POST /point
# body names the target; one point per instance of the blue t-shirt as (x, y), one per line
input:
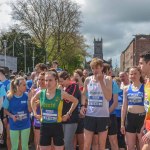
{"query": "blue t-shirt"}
(29, 84)
(2, 90)
(6, 84)
(115, 90)
(2, 94)
(18, 106)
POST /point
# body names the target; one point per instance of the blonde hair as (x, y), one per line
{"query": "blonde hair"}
(96, 62)
(13, 86)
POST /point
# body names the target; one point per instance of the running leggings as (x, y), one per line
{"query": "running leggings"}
(14, 137)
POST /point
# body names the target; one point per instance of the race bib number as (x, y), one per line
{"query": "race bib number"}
(95, 101)
(50, 115)
(21, 116)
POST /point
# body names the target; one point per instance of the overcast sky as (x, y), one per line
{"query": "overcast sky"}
(116, 21)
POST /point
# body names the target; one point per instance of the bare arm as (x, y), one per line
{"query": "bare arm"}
(124, 107)
(29, 102)
(72, 99)
(10, 115)
(106, 88)
(115, 103)
(83, 98)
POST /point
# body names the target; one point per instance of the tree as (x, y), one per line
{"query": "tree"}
(15, 40)
(49, 20)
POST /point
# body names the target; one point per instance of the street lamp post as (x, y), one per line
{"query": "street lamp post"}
(13, 48)
(5, 48)
(135, 50)
(24, 43)
(33, 57)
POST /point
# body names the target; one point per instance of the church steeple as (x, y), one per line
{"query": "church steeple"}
(98, 49)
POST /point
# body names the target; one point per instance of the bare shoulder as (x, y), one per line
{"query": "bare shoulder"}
(87, 80)
(37, 94)
(125, 89)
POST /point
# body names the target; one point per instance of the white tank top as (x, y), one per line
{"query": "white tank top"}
(98, 106)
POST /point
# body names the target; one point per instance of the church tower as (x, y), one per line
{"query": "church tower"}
(98, 49)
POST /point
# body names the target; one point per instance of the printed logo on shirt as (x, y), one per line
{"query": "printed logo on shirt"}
(23, 102)
(135, 97)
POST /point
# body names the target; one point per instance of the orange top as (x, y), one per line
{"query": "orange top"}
(147, 104)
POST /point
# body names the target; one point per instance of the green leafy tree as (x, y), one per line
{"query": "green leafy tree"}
(16, 41)
(54, 26)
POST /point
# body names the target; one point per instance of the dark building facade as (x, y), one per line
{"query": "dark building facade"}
(98, 48)
(130, 56)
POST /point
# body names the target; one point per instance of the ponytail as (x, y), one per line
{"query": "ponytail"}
(13, 87)
(12, 90)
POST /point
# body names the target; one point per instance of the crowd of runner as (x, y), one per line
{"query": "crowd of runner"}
(90, 109)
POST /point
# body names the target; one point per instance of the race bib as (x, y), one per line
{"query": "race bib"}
(50, 116)
(21, 115)
(95, 101)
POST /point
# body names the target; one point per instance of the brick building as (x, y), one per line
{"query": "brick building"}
(130, 56)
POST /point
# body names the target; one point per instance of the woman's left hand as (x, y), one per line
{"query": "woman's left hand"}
(146, 138)
(65, 118)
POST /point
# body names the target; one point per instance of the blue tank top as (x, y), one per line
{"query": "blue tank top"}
(19, 106)
(120, 102)
(135, 97)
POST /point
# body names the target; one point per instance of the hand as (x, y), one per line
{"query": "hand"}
(14, 118)
(146, 138)
(65, 118)
(83, 110)
(60, 87)
(100, 77)
(37, 103)
(38, 117)
(122, 129)
(81, 116)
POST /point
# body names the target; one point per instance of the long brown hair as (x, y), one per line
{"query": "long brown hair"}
(140, 71)
(13, 86)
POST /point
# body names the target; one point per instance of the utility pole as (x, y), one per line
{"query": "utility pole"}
(24, 43)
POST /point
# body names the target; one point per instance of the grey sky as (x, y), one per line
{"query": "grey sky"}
(116, 21)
